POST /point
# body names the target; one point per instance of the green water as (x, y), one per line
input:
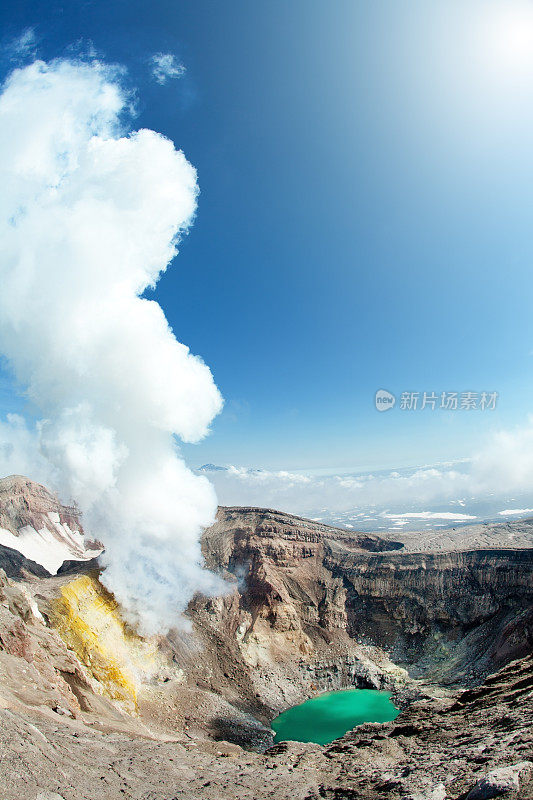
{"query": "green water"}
(330, 715)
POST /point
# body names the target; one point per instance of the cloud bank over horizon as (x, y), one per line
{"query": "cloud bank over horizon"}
(91, 214)
(445, 493)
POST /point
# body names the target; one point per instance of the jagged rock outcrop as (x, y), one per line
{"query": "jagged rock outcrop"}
(315, 607)
(37, 670)
(282, 634)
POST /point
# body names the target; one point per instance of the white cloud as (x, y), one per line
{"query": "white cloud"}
(309, 494)
(504, 466)
(165, 66)
(19, 453)
(90, 215)
(263, 476)
(508, 512)
(24, 45)
(506, 462)
(497, 472)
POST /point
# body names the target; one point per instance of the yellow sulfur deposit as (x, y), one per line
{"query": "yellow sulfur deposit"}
(88, 620)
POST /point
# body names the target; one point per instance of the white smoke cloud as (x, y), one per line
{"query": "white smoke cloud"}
(90, 215)
(19, 454)
(166, 66)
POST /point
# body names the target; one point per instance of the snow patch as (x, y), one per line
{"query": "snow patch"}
(48, 548)
(428, 515)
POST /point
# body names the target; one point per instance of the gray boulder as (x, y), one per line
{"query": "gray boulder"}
(501, 781)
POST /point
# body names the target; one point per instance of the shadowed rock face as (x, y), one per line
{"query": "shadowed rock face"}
(452, 617)
(15, 565)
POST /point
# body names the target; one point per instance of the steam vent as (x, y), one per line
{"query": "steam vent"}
(89, 623)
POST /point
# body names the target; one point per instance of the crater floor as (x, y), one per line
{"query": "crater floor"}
(443, 621)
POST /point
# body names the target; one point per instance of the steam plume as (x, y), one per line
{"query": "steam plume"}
(90, 216)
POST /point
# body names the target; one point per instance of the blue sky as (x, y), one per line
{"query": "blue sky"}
(364, 219)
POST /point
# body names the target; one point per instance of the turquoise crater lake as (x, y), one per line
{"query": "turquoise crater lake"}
(328, 716)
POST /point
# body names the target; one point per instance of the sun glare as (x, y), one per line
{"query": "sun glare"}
(508, 37)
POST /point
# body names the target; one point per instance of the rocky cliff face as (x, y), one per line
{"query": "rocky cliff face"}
(325, 594)
(315, 607)
(453, 617)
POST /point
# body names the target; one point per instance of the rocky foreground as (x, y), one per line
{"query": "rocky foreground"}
(478, 746)
(89, 710)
